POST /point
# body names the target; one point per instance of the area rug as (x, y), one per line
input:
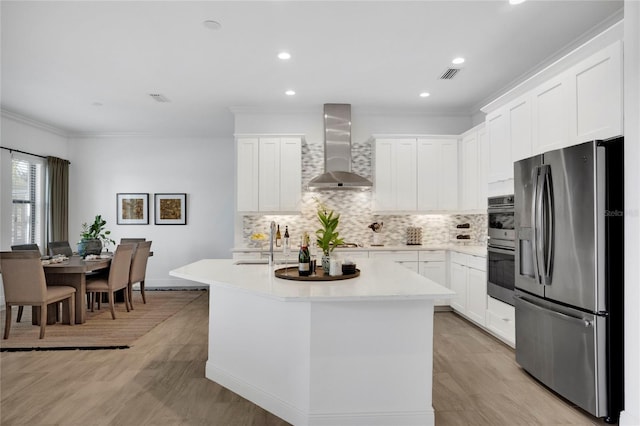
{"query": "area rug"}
(100, 331)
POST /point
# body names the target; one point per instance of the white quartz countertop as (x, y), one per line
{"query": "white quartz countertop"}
(475, 250)
(378, 280)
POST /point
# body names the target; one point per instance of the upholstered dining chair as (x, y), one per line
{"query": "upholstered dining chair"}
(25, 284)
(60, 247)
(24, 247)
(138, 269)
(117, 279)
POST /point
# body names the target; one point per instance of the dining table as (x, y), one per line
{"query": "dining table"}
(72, 272)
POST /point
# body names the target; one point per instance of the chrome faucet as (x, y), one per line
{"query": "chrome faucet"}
(272, 234)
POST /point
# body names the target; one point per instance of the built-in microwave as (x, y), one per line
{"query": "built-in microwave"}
(501, 248)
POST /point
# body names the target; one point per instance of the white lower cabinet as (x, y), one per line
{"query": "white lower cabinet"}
(408, 259)
(432, 264)
(501, 320)
(468, 278)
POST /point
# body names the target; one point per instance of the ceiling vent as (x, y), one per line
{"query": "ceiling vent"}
(449, 73)
(158, 97)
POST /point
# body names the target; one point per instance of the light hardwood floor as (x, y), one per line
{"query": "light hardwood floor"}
(160, 381)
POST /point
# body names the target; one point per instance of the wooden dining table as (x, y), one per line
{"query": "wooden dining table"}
(72, 272)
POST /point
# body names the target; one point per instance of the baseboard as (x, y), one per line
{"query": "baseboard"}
(299, 417)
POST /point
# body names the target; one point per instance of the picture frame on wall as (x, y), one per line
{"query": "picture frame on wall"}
(133, 208)
(171, 209)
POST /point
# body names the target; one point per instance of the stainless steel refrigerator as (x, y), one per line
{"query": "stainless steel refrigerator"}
(569, 273)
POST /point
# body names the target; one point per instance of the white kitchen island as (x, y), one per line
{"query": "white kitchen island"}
(350, 352)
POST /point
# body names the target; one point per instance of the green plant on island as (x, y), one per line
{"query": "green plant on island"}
(96, 231)
(327, 236)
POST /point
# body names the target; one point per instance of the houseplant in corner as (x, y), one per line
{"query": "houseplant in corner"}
(93, 237)
(328, 236)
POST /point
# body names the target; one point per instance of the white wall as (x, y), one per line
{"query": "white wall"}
(202, 168)
(631, 415)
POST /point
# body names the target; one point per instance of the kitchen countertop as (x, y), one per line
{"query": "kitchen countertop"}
(378, 280)
(475, 250)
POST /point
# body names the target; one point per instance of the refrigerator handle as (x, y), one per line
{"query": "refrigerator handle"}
(536, 221)
(548, 231)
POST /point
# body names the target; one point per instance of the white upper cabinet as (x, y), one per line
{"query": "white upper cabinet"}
(596, 86)
(483, 167)
(469, 198)
(269, 174)
(550, 103)
(247, 174)
(437, 174)
(519, 122)
(415, 174)
(500, 164)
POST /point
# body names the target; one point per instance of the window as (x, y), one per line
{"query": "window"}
(27, 193)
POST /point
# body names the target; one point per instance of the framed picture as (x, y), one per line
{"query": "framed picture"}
(171, 209)
(133, 209)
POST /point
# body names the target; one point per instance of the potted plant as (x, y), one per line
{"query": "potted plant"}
(328, 236)
(93, 237)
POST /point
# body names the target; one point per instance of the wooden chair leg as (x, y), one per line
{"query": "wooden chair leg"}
(72, 309)
(20, 309)
(7, 324)
(127, 300)
(144, 299)
(111, 305)
(43, 319)
(129, 291)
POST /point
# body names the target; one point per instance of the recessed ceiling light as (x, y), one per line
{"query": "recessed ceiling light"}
(290, 92)
(516, 1)
(212, 25)
(284, 55)
(457, 61)
(425, 94)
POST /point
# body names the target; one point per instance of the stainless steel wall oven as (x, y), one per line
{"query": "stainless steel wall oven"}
(501, 249)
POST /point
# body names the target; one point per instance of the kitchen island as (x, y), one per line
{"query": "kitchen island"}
(349, 352)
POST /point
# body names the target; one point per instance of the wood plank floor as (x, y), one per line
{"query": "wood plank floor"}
(160, 381)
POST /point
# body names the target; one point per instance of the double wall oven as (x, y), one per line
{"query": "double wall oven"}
(501, 248)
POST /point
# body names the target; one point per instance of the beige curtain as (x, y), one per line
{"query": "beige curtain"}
(58, 178)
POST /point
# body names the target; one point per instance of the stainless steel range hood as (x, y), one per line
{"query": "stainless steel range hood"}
(337, 152)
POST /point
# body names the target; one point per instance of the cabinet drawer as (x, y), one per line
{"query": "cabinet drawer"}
(477, 262)
(501, 320)
(432, 255)
(459, 258)
(396, 256)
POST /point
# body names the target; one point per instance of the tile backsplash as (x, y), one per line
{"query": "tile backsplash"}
(356, 215)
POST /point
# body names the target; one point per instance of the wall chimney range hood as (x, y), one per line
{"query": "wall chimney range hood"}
(337, 152)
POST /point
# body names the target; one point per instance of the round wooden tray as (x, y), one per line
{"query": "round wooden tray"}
(291, 273)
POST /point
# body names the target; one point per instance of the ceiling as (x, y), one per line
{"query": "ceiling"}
(89, 67)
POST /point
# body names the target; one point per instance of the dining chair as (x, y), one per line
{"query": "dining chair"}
(25, 284)
(117, 279)
(138, 269)
(24, 247)
(60, 247)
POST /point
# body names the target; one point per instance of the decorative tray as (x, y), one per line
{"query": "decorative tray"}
(291, 273)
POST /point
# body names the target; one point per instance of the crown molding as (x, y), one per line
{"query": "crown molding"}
(33, 123)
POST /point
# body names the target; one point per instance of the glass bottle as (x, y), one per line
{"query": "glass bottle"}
(304, 258)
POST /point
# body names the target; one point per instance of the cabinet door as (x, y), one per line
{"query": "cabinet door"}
(247, 158)
(520, 128)
(476, 295)
(405, 175)
(384, 159)
(550, 104)
(458, 283)
(469, 172)
(269, 172)
(500, 165)
(435, 271)
(428, 175)
(483, 168)
(448, 170)
(596, 89)
(290, 174)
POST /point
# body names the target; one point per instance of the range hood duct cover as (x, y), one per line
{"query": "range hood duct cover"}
(337, 152)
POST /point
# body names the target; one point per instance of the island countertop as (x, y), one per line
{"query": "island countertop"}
(378, 280)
